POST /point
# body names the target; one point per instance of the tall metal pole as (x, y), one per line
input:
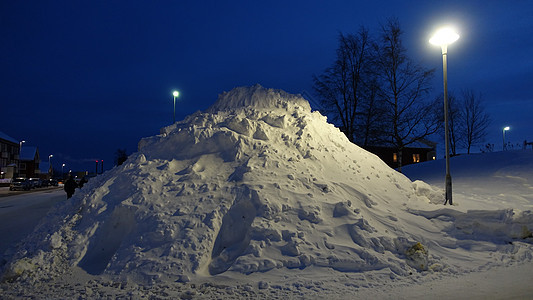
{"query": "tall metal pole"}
(175, 94)
(174, 114)
(448, 184)
(504, 147)
(20, 152)
(50, 169)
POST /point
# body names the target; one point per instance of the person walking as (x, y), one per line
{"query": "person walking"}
(70, 186)
(82, 182)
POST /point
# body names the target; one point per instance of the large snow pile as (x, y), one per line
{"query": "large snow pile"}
(260, 183)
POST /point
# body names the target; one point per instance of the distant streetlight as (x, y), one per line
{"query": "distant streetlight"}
(62, 166)
(175, 94)
(443, 38)
(50, 165)
(503, 131)
(20, 152)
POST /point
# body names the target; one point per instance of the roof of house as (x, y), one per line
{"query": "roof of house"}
(6, 137)
(423, 143)
(28, 153)
(419, 144)
(44, 167)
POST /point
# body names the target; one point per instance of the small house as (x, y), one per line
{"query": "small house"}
(420, 151)
(9, 156)
(29, 162)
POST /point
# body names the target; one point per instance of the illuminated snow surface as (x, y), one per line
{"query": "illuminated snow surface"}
(258, 196)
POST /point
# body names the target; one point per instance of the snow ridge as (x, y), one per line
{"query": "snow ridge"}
(257, 97)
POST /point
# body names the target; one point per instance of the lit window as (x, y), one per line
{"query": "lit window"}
(416, 158)
(395, 157)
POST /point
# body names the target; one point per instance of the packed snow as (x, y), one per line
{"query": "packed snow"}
(258, 196)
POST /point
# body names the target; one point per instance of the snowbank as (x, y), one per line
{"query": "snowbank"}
(260, 184)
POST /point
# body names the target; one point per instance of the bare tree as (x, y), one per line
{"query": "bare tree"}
(340, 86)
(474, 119)
(120, 156)
(404, 86)
(371, 125)
(454, 120)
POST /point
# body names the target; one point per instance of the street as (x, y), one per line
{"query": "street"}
(20, 213)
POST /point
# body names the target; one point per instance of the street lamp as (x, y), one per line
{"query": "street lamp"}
(20, 152)
(504, 130)
(175, 94)
(50, 173)
(62, 176)
(443, 38)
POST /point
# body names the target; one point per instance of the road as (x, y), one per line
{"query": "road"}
(20, 213)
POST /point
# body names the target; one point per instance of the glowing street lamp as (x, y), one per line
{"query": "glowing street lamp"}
(62, 166)
(20, 152)
(50, 173)
(175, 94)
(503, 131)
(443, 38)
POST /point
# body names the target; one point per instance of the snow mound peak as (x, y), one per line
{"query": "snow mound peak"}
(257, 97)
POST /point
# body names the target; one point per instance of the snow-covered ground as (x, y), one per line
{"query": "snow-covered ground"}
(260, 197)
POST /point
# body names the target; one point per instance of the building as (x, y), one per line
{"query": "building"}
(45, 171)
(420, 151)
(29, 162)
(9, 156)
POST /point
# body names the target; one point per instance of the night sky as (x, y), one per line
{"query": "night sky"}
(81, 79)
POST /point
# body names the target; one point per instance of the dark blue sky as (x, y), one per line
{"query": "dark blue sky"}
(80, 79)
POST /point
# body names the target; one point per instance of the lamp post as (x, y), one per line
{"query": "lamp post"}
(175, 94)
(503, 131)
(50, 173)
(20, 152)
(443, 38)
(62, 176)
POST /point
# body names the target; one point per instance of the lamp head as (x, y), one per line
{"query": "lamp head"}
(506, 128)
(444, 37)
(175, 93)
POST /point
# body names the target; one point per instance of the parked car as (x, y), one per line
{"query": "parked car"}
(35, 182)
(52, 182)
(20, 184)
